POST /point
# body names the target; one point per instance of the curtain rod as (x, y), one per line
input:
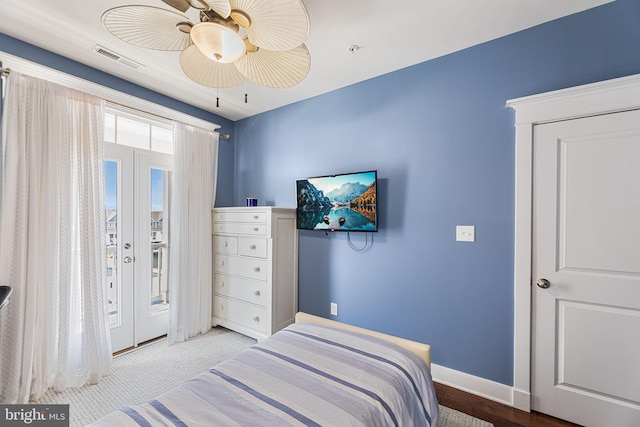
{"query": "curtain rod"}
(6, 71)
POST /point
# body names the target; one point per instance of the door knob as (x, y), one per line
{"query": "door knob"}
(127, 245)
(543, 283)
(127, 259)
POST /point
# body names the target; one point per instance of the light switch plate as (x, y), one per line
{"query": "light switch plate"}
(465, 233)
(334, 309)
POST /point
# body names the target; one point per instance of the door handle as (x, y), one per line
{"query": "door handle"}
(127, 259)
(543, 283)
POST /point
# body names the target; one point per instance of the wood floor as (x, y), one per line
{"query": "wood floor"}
(494, 412)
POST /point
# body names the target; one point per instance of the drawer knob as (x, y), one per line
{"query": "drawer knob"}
(222, 284)
(221, 263)
(221, 307)
(256, 217)
(256, 269)
(226, 244)
(256, 229)
(256, 319)
(256, 293)
(253, 247)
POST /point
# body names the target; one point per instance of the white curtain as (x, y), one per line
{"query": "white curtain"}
(190, 263)
(54, 331)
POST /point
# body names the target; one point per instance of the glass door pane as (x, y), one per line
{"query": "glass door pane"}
(159, 249)
(111, 218)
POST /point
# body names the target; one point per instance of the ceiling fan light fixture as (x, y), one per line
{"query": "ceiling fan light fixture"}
(217, 42)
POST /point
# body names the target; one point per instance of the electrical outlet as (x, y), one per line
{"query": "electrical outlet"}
(334, 309)
(465, 233)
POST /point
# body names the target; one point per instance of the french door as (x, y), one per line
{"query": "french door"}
(137, 200)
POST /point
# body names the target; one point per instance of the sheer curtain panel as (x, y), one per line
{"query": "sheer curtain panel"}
(54, 332)
(190, 264)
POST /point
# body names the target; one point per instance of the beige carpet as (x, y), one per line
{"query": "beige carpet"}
(140, 375)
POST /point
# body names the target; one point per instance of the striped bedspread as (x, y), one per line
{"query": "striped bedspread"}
(304, 375)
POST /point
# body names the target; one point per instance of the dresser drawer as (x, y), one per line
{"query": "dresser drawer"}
(252, 217)
(251, 268)
(252, 247)
(254, 229)
(225, 245)
(243, 289)
(244, 314)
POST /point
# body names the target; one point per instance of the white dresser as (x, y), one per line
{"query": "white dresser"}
(255, 258)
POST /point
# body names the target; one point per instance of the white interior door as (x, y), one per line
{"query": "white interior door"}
(137, 200)
(586, 267)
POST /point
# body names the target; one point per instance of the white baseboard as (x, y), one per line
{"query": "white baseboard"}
(475, 385)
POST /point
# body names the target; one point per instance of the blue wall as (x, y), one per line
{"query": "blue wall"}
(442, 140)
(34, 54)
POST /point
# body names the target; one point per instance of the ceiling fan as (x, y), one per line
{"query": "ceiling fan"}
(234, 40)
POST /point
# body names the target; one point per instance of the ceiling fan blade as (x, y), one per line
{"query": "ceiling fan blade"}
(221, 7)
(207, 72)
(274, 25)
(276, 69)
(147, 26)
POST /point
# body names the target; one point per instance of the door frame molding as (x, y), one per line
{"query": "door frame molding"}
(587, 100)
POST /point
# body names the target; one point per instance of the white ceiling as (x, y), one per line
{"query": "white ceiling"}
(391, 35)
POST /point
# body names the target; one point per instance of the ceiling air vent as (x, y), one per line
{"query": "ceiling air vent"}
(116, 57)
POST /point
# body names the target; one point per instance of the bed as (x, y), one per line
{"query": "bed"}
(315, 372)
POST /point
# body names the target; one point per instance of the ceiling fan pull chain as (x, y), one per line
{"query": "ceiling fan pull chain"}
(245, 91)
(217, 97)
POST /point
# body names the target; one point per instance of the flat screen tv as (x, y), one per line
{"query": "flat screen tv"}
(344, 202)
